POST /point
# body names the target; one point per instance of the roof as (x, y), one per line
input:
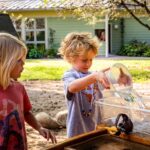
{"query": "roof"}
(27, 5)
(23, 5)
(16, 5)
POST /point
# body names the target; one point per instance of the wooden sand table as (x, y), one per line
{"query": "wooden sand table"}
(103, 130)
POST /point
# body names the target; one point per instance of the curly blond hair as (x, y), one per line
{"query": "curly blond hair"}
(11, 50)
(76, 44)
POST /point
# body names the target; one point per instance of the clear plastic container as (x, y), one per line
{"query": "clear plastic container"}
(111, 105)
(119, 77)
(122, 98)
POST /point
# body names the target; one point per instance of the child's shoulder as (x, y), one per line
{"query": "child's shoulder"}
(70, 72)
(17, 84)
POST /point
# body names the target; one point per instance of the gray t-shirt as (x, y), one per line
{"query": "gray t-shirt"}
(82, 114)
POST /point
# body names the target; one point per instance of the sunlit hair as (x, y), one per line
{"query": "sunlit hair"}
(76, 44)
(11, 50)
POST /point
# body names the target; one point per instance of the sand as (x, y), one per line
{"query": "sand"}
(45, 96)
(48, 96)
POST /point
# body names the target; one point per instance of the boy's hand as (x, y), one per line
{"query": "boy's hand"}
(106, 69)
(47, 134)
(101, 77)
(124, 79)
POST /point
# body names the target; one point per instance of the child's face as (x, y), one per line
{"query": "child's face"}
(83, 62)
(16, 72)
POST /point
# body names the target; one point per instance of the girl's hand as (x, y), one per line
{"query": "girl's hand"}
(47, 134)
(101, 77)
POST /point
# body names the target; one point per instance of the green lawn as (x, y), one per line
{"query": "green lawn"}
(53, 69)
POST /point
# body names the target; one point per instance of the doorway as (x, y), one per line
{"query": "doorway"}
(109, 38)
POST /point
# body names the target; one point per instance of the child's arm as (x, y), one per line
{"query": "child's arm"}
(31, 120)
(81, 83)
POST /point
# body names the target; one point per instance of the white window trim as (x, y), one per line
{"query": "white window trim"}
(23, 31)
(46, 34)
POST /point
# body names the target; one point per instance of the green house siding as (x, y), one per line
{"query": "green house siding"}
(134, 30)
(64, 26)
(129, 30)
(115, 36)
(102, 49)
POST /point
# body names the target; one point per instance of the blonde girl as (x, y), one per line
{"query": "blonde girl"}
(14, 102)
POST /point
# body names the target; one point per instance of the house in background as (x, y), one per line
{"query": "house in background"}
(41, 26)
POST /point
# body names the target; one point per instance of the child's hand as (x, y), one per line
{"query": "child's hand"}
(47, 134)
(106, 69)
(101, 77)
(124, 79)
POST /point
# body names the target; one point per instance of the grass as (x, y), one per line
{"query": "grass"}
(44, 69)
(53, 69)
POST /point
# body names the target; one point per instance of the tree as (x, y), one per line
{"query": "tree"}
(135, 8)
(93, 10)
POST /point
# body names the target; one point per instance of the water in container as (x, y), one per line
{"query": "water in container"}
(122, 98)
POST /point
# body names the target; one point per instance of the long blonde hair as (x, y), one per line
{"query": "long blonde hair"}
(11, 50)
(77, 43)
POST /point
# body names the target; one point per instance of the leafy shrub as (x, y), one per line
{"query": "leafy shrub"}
(53, 51)
(34, 53)
(147, 53)
(135, 48)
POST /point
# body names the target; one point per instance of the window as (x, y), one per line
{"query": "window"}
(34, 29)
(40, 24)
(29, 36)
(35, 32)
(17, 25)
(40, 35)
(30, 46)
(100, 33)
(41, 47)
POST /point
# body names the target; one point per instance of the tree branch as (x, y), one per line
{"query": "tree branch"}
(134, 16)
(144, 5)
